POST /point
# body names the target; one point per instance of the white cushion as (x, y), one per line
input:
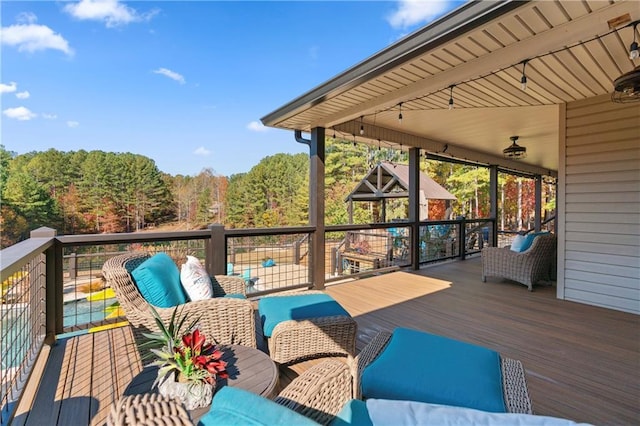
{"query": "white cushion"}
(398, 413)
(195, 280)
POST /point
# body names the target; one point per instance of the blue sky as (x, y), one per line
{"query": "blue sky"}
(184, 83)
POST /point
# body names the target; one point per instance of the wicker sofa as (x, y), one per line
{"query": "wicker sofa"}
(227, 320)
(528, 267)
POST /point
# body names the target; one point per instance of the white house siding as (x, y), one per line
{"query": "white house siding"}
(599, 204)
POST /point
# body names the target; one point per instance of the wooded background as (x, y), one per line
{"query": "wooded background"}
(80, 192)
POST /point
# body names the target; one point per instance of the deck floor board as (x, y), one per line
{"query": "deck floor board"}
(582, 362)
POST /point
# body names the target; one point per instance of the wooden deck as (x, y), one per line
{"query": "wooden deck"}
(582, 362)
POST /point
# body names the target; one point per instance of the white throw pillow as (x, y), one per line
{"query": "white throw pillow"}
(195, 280)
(398, 413)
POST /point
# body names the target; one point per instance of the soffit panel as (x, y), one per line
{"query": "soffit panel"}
(565, 76)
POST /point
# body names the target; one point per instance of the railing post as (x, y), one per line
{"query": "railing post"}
(217, 251)
(53, 283)
(463, 237)
(73, 266)
(296, 252)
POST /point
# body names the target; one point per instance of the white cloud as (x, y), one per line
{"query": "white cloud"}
(412, 12)
(256, 126)
(8, 88)
(23, 95)
(72, 124)
(171, 74)
(111, 12)
(49, 116)
(202, 151)
(19, 113)
(31, 37)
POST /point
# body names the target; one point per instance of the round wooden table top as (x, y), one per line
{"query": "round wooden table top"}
(248, 368)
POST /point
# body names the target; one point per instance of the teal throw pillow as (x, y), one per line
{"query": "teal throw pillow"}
(235, 406)
(418, 366)
(522, 243)
(274, 310)
(158, 280)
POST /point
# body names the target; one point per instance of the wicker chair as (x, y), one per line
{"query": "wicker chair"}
(528, 267)
(226, 320)
(514, 384)
(319, 393)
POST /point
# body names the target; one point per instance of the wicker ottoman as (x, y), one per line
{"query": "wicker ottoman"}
(306, 325)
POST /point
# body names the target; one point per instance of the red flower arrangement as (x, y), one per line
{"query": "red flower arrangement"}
(186, 354)
(195, 358)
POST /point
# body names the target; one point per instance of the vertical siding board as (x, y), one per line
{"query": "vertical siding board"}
(601, 216)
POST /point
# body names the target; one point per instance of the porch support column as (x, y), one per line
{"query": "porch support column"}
(414, 206)
(316, 205)
(538, 208)
(493, 200)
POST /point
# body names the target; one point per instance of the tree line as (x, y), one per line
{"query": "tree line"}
(103, 192)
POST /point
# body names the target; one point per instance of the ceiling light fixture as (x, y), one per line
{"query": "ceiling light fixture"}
(361, 126)
(400, 114)
(523, 79)
(514, 151)
(627, 86)
(451, 96)
(633, 49)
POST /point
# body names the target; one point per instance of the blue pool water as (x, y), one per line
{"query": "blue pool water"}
(82, 312)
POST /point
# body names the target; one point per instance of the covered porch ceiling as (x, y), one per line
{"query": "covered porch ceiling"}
(573, 50)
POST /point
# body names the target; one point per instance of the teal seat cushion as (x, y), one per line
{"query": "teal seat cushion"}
(274, 310)
(418, 366)
(353, 413)
(158, 280)
(235, 296)
(234, 406)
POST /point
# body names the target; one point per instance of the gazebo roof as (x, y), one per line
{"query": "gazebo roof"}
(390, 180)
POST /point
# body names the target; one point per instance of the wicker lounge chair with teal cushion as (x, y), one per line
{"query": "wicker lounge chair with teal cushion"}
(529, 260)
(141, 281)
(306, 325)
(439, 370)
